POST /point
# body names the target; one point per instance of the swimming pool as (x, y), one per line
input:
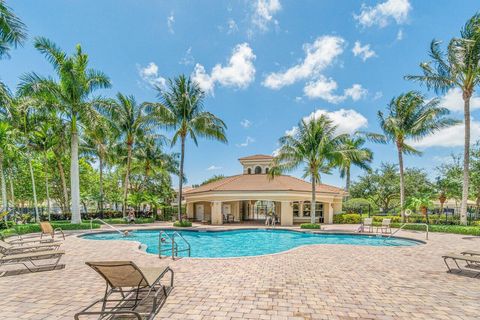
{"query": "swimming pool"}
(250, 242)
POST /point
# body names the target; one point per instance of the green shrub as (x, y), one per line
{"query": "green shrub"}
(310, 226)
(467, 230)
(182, 224)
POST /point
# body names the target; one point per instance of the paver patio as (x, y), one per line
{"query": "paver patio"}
(311, 282)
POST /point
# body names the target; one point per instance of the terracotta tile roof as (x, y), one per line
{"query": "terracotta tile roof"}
(260, 182)
(257, 157)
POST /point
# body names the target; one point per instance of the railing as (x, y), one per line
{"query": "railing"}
(107, 224)
(407, 223)
(172, 244)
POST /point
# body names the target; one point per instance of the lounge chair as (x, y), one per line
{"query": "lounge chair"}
(131, 291)
(49, 230)
(9, 248)
(471, 260)
(471, 253)
(30, 260)
(385, 226)
(367, 223)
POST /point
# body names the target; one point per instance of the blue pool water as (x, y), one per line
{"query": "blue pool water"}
(241, 243)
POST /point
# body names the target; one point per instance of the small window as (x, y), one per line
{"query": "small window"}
(296, 209)
(306, 209)
(258, 170)
(266, 170)
(249, 171)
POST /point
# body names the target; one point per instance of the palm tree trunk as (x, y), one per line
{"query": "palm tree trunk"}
(347, 183)
(12, 192)
(314, 205)
(46, 187)
(127, 180)
(35, 204)
(61, 171)
(4, 186)
(402, 181)
(100, 160)
(180, 180)
(75, 176)
(466, 158)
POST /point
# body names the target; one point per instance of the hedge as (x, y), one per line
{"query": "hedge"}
(182, 224)
(467, 230)
(31, 228)
(310, 226)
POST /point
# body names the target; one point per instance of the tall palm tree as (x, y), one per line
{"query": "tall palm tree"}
(360, 156)
(313, 145)
(6, 143)
(12, 30)
(181, 110)
(410, 117)
(71, 95)
(131, 121)
(459, 68)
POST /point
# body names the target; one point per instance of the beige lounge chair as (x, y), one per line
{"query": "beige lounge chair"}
(472, 261)
(385, 226)
(367, 223)
(9, 248)
(471, 253)
(30, 260)
(131, 291)
(49, 230)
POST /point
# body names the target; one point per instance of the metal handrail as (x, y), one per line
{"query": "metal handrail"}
(175, 233)
(107, 224)
(403, 225)
(173, 244)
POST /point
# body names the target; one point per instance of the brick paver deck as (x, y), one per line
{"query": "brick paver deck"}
(312, 282)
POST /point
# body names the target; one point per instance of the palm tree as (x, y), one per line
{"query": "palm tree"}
(360, 156)
(6, 143)
(410, 117)
(12, 30)
(181, 109)
(459, 68)
(97, 142)
(71, 95)
(313, 145)
(131, 121)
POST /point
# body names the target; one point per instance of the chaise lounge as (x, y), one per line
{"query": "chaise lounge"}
(30, 260)
(47, 229)
(9, 248)
(131, 291)
(473, 261)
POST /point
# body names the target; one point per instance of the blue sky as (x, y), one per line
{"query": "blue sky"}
(265, 63)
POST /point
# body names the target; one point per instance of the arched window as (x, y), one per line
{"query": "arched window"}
(258, 170)
(266, 170)
(249, 171)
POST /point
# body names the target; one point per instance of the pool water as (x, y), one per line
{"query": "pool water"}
(242, 243)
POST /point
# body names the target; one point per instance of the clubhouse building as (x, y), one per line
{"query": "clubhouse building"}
(253, 196)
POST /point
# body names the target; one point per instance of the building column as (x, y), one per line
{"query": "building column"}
(328, 212)
(217, 212)
(190, 212)
(286, 213)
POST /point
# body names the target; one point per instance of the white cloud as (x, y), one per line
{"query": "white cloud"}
(324, 88)
(318, 56)
(232, 26)
(170, 22)
(246, 123)
(213, 167)
(187, 58)
(382, 13)
(247, 142)
(453, 101)
(346, 120)
(263, 13)
(449, 137)
(150, 75)
(363, 51)
(239, 72)
(378, 95)
(400, 35)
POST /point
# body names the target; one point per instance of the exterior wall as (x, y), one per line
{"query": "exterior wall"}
(217, 217)
(207, 210)
(328, 212)
(286, 213)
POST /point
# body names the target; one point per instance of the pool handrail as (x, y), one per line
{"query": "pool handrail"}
(107, 224)
(408, 223)
(188, 249)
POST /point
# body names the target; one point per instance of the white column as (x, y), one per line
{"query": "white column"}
(328, 212)
(286, 211)
(217, 212)
(190, 210)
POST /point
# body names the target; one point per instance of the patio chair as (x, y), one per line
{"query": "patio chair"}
(367, 223)
(30, 260)
(130, 291)
(472, 261)
(385, 226)
(9, 248)
(49, 230)
(471, 253)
